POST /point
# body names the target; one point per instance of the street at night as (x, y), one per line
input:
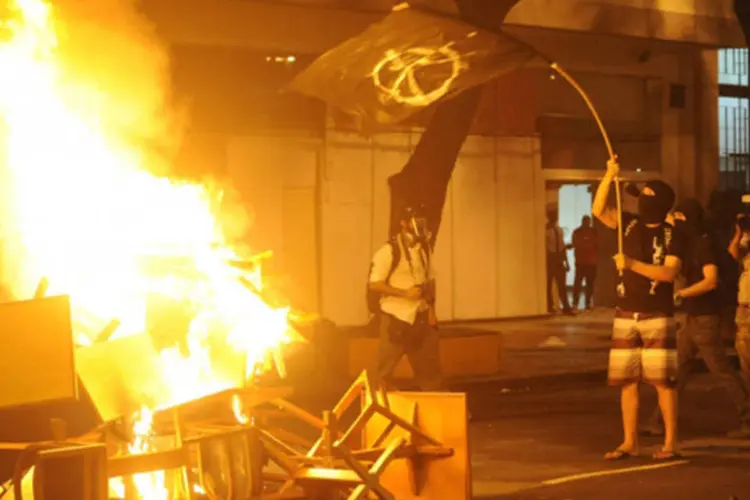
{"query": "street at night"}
(547, 443)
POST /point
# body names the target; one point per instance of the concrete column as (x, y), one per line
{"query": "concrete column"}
(670, 144)
(707, 123)
(679, 153)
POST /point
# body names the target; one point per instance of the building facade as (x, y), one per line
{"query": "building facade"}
(317, 189)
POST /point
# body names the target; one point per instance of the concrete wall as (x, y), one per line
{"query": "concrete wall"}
(489, 256)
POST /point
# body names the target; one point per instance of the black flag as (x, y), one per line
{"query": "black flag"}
(406, 62)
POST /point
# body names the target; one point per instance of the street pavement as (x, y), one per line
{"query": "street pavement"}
(547, 442)
(541, 426)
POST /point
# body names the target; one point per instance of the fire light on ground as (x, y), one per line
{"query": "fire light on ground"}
(83, 208)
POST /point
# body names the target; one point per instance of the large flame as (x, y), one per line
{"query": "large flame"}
(82, 207)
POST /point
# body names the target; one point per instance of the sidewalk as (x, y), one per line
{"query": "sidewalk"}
(549, 350)
(546, 348)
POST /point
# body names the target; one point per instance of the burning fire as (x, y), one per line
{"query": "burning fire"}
(88, 214)
(83, 208)
(239, 410)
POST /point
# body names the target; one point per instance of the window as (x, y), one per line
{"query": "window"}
(734, 119)
(733, 67)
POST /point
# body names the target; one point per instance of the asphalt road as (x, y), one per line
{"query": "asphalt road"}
(523, 438)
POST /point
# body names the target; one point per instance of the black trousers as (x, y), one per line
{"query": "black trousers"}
(556, 274)
(701, 335)
(420, 343)
(587, 273)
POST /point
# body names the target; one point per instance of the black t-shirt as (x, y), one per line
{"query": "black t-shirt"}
(699, 252)
(650, 245)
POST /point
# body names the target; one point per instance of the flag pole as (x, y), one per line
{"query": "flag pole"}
(607, 142)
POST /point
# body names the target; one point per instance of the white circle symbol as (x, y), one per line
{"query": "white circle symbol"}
(403, 87)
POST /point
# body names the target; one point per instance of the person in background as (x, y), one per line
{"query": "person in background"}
(585, 249)
(721, 222)
(644, 330)
(404, 278)
(557, 264)
(701, 303)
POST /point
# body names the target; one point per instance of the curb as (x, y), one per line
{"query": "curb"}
(551, 380)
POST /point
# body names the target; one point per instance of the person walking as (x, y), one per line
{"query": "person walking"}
(402, 282)
(557, 265)
(701, 329)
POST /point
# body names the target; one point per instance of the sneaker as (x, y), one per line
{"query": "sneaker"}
(742, 433)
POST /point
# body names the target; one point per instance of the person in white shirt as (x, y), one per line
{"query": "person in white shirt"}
(406, 287)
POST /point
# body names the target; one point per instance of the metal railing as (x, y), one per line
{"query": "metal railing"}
(733, 67)
(734, 119)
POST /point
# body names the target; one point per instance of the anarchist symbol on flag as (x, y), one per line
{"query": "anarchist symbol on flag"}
(396, 75)
(406, 62)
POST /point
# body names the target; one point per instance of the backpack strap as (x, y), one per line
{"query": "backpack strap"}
(395, 257)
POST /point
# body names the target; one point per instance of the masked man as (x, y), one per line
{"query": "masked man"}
(644, 332)
(701, 303)
(403, 276)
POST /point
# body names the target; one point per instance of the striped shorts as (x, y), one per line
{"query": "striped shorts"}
(643, 350)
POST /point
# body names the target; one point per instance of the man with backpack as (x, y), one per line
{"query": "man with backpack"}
(401, 293)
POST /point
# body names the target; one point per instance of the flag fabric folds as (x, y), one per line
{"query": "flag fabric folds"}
(406, 62)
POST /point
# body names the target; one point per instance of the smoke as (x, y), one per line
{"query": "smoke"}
(111, 54)
(112, 59)
(86, 109)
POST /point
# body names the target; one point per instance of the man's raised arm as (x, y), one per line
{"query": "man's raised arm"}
(599, 206)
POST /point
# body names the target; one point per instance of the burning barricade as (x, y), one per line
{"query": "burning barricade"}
(150, 309)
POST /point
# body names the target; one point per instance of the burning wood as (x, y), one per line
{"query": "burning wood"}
(169, 315)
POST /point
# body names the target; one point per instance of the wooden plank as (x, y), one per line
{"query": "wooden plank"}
(299, 413)
(341, 477)
(37, 363)
(360, 492)
(442, 416)
(407, 451)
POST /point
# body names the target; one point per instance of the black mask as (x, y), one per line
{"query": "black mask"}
(653, 209)
(650, 210)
